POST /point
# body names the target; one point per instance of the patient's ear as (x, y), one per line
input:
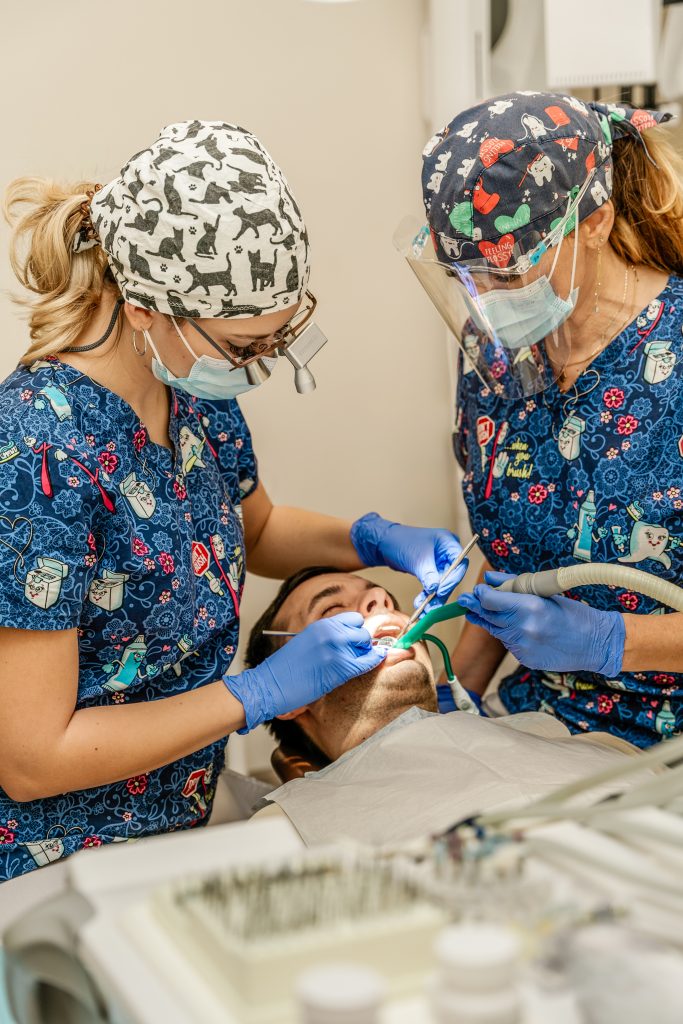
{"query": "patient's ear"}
(292, 714)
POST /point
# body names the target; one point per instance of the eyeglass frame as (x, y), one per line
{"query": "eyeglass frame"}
(282, 338)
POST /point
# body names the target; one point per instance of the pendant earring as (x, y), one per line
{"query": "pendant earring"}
(596, 307)
(135, 347)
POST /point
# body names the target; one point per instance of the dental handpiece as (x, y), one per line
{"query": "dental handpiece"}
(382, 641)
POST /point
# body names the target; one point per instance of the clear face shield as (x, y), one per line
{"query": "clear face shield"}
(507, 310)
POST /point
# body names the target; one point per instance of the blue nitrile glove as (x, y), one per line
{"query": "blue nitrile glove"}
(321, 657)
(551, 633)
(426, 553)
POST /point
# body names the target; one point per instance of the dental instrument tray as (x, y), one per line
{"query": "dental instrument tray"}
(249, 930)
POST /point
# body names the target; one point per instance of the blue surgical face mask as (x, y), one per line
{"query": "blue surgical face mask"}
(210, 378)
(523, 316)
(527, 315)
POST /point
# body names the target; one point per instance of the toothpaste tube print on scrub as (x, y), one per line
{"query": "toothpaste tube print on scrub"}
(591, 474)
(141, 550)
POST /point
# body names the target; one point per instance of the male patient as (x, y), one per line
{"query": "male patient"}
(391, 767)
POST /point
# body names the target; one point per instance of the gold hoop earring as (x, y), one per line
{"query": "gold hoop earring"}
(135, 347)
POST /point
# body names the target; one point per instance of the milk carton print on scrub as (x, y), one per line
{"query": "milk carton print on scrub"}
(659, 361)
(129, 666)
(569, 438)
(48, 850)
(139, 496)
(44, 583)
(108, 592)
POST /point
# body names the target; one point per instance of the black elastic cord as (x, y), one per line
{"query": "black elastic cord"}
(100, 341)
(211, 341)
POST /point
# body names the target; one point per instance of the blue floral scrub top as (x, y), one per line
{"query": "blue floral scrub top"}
(594, 474)
(140, 549)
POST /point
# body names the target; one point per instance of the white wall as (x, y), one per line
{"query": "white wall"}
(334, 93)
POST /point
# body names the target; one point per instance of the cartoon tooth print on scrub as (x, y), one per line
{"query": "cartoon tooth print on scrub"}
(139, 496)
(235, 566)
(129, 666)
(471, 345)
(191, 448)
(646, 541)
(498, 460)
(44, 582)
(186, 648)
(108, 592)
(649, 319)
(583, 529)
(569, 438)
(659, 361)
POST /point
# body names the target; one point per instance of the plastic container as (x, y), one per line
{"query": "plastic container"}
(477, 977)
(340, 994)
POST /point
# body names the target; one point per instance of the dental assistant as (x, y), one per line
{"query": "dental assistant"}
(130, 502)
(557, 235)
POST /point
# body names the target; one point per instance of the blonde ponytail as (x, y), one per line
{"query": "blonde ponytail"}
(45, 220)
(648, 202)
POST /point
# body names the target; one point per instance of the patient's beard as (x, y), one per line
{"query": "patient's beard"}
(364, 705)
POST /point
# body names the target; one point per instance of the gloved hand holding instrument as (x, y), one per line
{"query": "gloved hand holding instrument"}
(323, 656)
(423, 552)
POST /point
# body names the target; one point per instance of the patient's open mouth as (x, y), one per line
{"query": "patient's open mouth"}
(386, 629)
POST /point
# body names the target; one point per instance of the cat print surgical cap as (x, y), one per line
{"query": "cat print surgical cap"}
(202, 223)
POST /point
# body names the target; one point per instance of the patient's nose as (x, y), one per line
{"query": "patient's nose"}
(375, 601)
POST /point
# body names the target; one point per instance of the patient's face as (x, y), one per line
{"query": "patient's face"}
(367, 703)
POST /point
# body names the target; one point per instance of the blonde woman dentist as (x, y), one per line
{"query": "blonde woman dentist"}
(130, 499)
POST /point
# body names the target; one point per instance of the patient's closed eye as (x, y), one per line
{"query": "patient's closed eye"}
(334, 609)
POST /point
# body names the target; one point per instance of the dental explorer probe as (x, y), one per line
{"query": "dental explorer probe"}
(289, 632)
(430, 597)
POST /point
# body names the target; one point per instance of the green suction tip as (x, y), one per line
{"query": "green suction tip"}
(423, 625)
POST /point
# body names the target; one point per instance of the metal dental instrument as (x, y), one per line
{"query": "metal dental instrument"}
(383, 641)
(430, 597)
(280, 632)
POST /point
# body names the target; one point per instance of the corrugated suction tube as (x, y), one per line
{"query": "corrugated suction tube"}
(556, 581)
